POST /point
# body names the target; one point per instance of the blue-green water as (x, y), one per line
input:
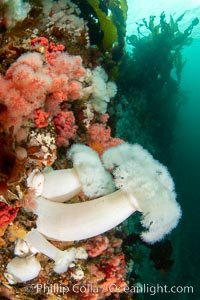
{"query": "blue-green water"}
(184, 163)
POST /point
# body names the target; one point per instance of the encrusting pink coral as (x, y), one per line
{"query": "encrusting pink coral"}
(49, 46)
(41, 118)
(107, 274)
(65, 127)
(114, 267)
(104, 118)
(95, 246)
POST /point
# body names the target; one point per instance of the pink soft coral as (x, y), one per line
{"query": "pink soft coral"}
(100, 137)
(95, 246)
(32, 83)
(22, 89)
(66, 72)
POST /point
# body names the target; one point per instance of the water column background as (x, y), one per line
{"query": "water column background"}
(185, 156)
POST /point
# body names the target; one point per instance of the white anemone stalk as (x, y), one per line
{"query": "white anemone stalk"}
(62, 185)
(61, 258)
(70, 222)
(55, 185)
(25, 265)
(144, 185)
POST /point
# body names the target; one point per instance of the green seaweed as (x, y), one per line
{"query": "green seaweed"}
(119, 15)
(107, 26)
(162, 46)
(145, 110)
(112, 18)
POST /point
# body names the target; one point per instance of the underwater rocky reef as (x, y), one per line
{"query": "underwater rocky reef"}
(82, 202)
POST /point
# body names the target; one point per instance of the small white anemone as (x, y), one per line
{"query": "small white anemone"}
(35, 181)
(77, 273)
(61, 258)
(22, 248)
(21, 269)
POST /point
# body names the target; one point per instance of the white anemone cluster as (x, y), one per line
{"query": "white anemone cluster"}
(143, 184)
(102, 90)
(65, 15)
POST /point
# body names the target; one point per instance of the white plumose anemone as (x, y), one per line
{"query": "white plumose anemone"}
(143, 184)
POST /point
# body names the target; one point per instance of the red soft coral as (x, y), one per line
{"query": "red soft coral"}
(7, 213)
(95, 246)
